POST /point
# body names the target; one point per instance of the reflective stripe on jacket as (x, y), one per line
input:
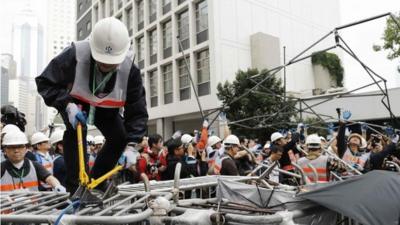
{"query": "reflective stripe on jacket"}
(30, 181)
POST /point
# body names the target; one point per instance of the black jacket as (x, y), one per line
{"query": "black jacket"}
(56, 81)
(376, 159)
(186, 170)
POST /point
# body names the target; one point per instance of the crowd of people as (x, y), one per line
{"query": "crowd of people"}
(39, 164)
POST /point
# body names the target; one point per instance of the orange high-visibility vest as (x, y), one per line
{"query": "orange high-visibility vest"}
(319, 164)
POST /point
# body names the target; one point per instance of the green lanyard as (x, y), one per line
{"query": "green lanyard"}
(20, 176)
(96, 88)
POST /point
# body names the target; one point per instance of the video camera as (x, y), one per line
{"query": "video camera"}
(11, 115)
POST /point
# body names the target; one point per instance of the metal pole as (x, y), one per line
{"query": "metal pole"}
(190, 77)
(284, 74)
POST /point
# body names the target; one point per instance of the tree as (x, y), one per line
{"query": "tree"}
(391, 38)
(261, 111)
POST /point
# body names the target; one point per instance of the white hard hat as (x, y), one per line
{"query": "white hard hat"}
(313, 141)
(15, 138)
(267, 145)
(38, 137)
(231, 140)
(275, 136)
(213, 140)
(89, 139)
(56, 136)
(99, 139)
(9, 128)
(186, 139)
(109, 41)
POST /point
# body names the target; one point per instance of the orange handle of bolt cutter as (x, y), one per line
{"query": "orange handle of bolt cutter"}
(83, 177)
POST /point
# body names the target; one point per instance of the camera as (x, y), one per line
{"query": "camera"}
(153, 167)
(376, 138)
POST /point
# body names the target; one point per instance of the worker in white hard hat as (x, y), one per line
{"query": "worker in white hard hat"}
(290, 152)
(59, 170)
(18, 172)
(227, 164)
(315, 160)
(41, 146)
(4, 130)
(97, 78)
(98, 142)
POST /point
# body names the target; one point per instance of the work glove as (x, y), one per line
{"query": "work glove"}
(358, 167)
(205, 124)
(395, 138)
(60, 189)
(346, 115)
(75, 115)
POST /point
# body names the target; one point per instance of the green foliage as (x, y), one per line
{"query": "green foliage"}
(331, 62)
(391, 38)
(262, 103)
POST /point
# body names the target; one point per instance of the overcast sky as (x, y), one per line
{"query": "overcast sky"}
(360, 38)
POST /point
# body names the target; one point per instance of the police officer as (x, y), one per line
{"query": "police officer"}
(98, 75)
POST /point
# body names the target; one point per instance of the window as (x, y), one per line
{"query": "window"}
(129, 18)
(111, 5)
(184, 82)
(167, 77)
(140, 52)
(203, 73)
(183, 30)
(202, 22)
(181, 1)
(152, 10)
(166, 6)
(153, 88)
(153, 46)
(80, 33)
(167, 39)
(140, 14)
(88, 26)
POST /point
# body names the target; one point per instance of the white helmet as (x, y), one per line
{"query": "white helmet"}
(38, 137)
(9, 128)
(109, 41)
(275, 136)
(15, 138)
(56, 136)
(89, 139)
(186, 139)
(213, 140)
(231, 140)
(313, 141)
(267, 145)
(99, 139)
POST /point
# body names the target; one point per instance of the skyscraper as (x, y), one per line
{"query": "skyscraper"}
(28, 50)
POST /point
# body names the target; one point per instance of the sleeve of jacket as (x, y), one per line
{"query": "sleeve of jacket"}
(56, 80)
(292, 144)
(135, 114)
(341, 142)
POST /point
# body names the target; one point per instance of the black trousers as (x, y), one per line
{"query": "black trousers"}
(111, 125)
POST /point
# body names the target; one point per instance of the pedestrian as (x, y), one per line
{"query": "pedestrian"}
(59, 170)
(97, 78)
(41, 146)
(228, 163)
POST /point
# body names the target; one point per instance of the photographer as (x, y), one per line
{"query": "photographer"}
(380, 153)
(149, 160)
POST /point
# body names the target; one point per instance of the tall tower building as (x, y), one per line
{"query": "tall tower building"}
(28, 49)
